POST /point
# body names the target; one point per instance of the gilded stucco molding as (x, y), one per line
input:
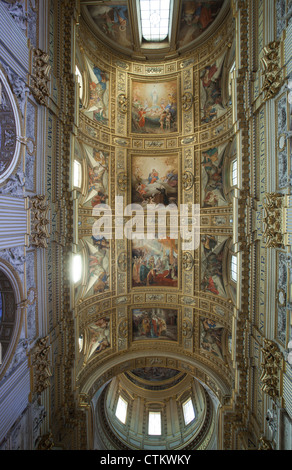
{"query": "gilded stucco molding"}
(42, 368)
(273, 77)
(272, 367)
(40, 77)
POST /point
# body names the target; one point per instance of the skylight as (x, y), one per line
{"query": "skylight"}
(121, 410)
(154, 424)
(155, 15)
(189, 413)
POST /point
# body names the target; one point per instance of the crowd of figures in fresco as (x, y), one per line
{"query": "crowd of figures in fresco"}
(154, 323)
(155, 263)
(154, 107)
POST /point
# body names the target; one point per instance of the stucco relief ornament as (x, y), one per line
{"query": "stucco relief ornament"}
(123, 329)
(122, 181)
(272, 72)
(40, 76)
(122, 261)
(271, 368)
(18, 13)
(41, 365)
(273, 220)
(187, 101)
(187, 329)
(39, 221)
(187, 261)
(122, 103)
(188, 180)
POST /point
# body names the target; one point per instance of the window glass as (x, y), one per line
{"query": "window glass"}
(77, 268)
(154, 425)
(234, 173)
(121, 411)
(188, 410)
(234, 268)
(77, 174)
(80, 81)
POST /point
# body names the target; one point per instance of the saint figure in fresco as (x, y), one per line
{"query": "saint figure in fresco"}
(141, 117)
(153, 176)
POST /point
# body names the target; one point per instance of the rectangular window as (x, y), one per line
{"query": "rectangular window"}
(154, 424)
(234, 173)
(121, 411)
(80, 81)
(234, 268)
(77, 174)
(77, 268)
(188, 410)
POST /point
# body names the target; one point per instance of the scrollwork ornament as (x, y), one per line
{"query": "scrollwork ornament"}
(271, 368)
(46, 442)
(122, 261)
(187, 329)
(264, 444)
(123, 103)
(187, 101)
(272, 71)
(39, 221)
(188, 180)
(40, 77)
(187, 261)
(122, 181)
(123, 329)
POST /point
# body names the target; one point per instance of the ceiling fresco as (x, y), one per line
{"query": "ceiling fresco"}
(115, 23)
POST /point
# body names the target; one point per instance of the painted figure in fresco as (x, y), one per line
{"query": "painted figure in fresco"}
(214, 170)
(211, 337)
(208, 284)
(151, 325)
(171, 177)
(99, 336)
(210, 200)
(141, 117)
(154, 107)
(99, 95)
(113, 21)
(209, 242)
(196, 17)
(210, 158)
(153, 176)
(212, 89)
